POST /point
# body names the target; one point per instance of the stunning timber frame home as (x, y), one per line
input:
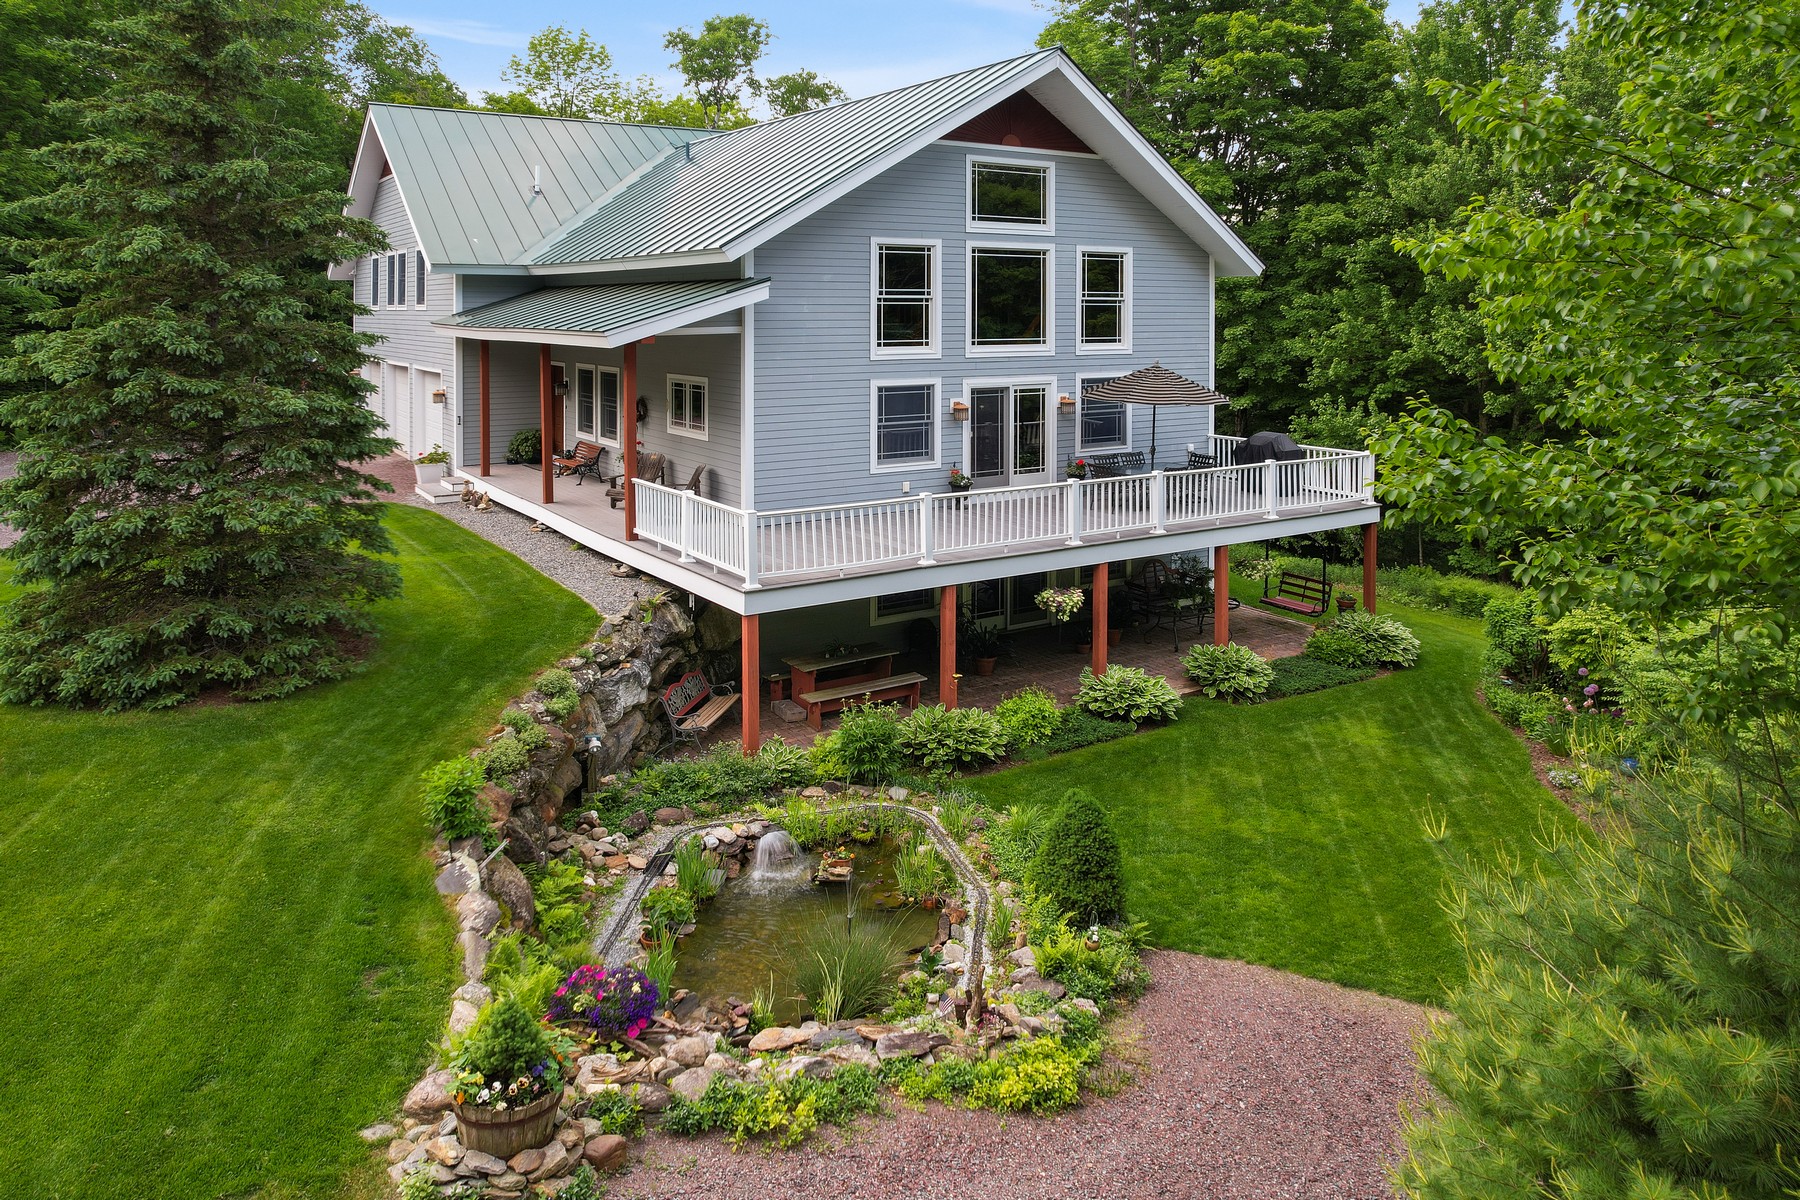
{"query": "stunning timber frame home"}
(818, 329)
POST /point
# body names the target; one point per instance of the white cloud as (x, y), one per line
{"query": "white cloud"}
(476, 33)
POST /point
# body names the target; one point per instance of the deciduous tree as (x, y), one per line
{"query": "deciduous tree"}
(719, 62)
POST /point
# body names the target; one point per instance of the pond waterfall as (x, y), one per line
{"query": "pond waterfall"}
(776, 854)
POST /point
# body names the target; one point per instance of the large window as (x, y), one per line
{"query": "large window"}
(905, 314)
(609, 405)
(687, 406)
(584, 402)
(1012, 195)
(1104, 319)
(1101, 424)
(1010, 309)
(906, 430)
(902, 606)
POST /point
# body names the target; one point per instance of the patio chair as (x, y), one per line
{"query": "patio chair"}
(1197, 461)
(695, 480)
(584, 460)
(650, 466)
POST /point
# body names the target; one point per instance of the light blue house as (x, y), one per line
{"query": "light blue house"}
(818, 322)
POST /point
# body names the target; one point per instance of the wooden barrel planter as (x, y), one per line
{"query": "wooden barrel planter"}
(505, 1132)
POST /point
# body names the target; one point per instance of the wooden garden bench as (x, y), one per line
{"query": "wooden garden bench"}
(1300, 593)
(904, 686)
(584, 459)
(695, 705)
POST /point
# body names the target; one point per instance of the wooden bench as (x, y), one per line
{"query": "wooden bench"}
(583, 460)
(695, 706)
(1300, 593)
(904, 686)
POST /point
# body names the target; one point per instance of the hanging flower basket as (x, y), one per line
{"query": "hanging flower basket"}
(1060, 604)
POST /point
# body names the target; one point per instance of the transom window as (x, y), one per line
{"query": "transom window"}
(905, 299)
(1012, 195)
(905, 416)
(1009, 300)
(1101, 424)
(687, 406)
(1104, 321)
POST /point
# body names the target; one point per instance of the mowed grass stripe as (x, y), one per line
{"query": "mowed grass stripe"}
(225, 950)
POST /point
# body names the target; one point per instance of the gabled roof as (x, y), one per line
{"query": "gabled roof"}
(610, 314)
(467, 176)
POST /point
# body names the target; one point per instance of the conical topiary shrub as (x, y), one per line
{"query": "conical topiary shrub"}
(1080, 863)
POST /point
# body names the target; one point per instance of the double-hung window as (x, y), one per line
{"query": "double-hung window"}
(1011, 310)
(1103, 319)
(1017, 197)
(609, 405)
(905, 316)
(905, 416)
(1100, 424)
(584, 401)
(687, 406)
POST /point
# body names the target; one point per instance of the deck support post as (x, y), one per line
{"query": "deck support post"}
(628, 382)
(1100, 602)
(1369, 567)
(546, 448)
(1221, 595)
(483, 374)
(947, 597)
(751, 686)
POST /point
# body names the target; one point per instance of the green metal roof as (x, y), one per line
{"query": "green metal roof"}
(607, 309)
(467, 175)
(730, 184)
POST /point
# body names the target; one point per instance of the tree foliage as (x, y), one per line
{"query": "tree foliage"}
(190, 509)
(799, 91)
(564, 74)
(719, 62)
(1079, 862)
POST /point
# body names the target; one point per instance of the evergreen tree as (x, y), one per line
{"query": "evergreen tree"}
(1080, 863)
(191, 510)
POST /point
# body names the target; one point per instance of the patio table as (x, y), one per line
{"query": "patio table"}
(876, 661)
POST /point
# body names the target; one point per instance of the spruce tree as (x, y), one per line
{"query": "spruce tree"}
(191, 510)
(1080, 862)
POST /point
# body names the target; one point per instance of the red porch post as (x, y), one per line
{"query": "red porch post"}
(545, 446)
(628, 442)
(751, 685)
(947, 596)
(482, 373)
(1221, 595)
(1369, 567)
(1100, 599)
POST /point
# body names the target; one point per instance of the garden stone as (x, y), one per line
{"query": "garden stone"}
(476, 1163)
(953, 953)
(570, 1136)
(853, 1054)
(907, 1043)
(441, 1174)
(525, 836)
(446, 1150)
(430, 1096)
(826, 1038)
(957, 932)
(557, 1161)
(692, 1083)
(651, 1097)
(526, 1161)
(463, 1016)
(608, 1152)
(690, 1051)
(664, 1069)
(898, 794)
(499, 802)
(477, 994)
(457, 878)
(592, 1070)
(1007, 1012)
(399, 1150)
(777, 1037)
(636, 823)
(812, 1068)
(1085, 1005)
(1025, 957)
(719, 1062)
(509, 1186)
(380, 1132)
(475, 954)
(508, 885)
(670, 816)
(447, 1125)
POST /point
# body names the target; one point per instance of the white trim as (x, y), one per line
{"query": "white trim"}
(701, 434)
(747, 399)
(1002, 148)
(1212, 326)
(1042, 350)
(1122, 346)
(353, 203)
(934, 307)
(687, 258)
(974, 224)
(625, 334)
(1080, 382)
(876, 467)
(1012, 383)
(911, 614)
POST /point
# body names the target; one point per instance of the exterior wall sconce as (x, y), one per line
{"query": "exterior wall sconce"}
(437, 397)
(1066, 401)
(959, 410)
(561, 387)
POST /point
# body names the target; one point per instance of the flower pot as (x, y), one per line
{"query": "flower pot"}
(929, 902)
(505, 1132)
(842, 863)
(1092, 943)
(428, 474)
(985, 666)
(1346, 603)
(1114, 636)
(1085, 646)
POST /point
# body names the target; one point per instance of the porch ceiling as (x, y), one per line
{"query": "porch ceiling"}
(606, 315)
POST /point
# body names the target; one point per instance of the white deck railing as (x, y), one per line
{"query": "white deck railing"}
(837, 539)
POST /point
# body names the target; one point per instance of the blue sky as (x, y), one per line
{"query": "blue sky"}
(864, 47)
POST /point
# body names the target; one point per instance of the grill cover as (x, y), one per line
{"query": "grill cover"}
(1261, 447)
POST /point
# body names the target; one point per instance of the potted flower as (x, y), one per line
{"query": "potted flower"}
(508, 1082)
(666, 910)
(431, 466)
(980, 642)
(1060, 604)
(606, 1004)
(1092, 941)
(960, 482)
(1078, 469)
(1346, 602)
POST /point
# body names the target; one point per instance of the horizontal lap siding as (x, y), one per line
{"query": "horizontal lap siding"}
(408, 335)
(813, 368)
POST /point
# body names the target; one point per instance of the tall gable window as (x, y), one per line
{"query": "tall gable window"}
(905, 315)
(687, 406)
(1014, 196)
(1010, 304)
(393, 297)
(906, 431)
(400, 279)
(1104, 320)
(419, 278)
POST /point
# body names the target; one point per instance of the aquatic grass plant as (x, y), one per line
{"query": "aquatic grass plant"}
(850, 971)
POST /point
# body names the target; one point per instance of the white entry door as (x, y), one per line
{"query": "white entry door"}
(1011, 434)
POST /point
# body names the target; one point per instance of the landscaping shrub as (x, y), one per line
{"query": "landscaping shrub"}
(1588, 644)
(667, 909)
(919, 870)
(787, 1110)
(956, 812)
(504, 757)
(1422, 587)
(612, 1004)
(1098, 975)
(1515, 640)
(951, 739)
(1297, 676)
(560, 893)
(1360, 639)
(1014, 840)
(525, 446)
(617, 1113)
(506, 1056)
(1080, 864)
(453, 797)
(867, 745)
(1029, 715)
(1127, 694)
(694, 870)
(1228, 672)
(823, 758)
(1078, 729)
(723, 776)
(850, 972)
(583, 1184)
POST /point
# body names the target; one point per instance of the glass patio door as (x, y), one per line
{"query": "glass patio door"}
(1009, 435)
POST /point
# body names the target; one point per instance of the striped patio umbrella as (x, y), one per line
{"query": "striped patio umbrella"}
(1154, 385)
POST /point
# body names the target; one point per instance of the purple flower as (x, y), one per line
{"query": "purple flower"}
(1582, 672)
(1592, 689)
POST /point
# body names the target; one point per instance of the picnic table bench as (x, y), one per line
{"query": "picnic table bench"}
(695, 705)
(1304, 594)
(904, 686)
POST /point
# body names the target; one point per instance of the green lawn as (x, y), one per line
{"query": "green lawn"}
(222, 953)
(1289, 833)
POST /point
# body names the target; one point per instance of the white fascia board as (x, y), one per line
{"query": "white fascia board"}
(359, 192)
(623, 335)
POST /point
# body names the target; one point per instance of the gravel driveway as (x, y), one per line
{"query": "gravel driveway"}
(1265, 1085)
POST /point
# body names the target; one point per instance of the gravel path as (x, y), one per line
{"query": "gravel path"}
(1264, 1086)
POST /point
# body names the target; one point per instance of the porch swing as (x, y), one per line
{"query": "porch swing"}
(1299, 593)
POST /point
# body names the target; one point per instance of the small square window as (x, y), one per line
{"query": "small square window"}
(905, 425)
(1101, 424)
(687, 406)
(1009, 194)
